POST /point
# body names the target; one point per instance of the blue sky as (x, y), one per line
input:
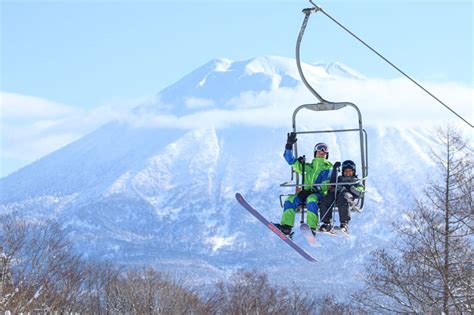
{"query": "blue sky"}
(86, 54)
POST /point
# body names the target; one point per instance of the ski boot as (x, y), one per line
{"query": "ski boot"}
(285, 229)
(344, 227)
(325, 227)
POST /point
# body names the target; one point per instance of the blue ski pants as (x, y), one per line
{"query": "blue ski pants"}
(293, 201)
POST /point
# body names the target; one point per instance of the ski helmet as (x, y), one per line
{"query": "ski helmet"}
(321, 147)
(348, 164)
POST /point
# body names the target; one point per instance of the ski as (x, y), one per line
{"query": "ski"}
(342, 233)
(273, 228)
(330, 233)
(306, 231)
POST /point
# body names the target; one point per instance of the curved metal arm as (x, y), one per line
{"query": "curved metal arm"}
(307, 13)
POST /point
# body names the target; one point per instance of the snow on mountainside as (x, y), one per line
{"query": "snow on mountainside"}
(165, 196)
(340, 70)
(219, 81)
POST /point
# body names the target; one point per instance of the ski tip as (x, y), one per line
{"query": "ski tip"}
(304, 226)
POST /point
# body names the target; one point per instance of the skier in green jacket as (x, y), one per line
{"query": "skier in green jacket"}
(316, 172)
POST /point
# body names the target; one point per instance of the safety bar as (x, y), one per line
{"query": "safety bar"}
(326, 131)
(288, 184)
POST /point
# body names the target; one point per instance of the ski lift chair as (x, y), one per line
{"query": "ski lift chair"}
(297, 180)
(324, 105)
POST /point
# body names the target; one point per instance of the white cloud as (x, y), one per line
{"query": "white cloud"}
(196, 102)
(271, 109)
(382, 102)
(32, 127)
(399, 101)
(22, 106)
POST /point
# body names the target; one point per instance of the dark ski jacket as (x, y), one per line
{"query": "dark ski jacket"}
(355, 189)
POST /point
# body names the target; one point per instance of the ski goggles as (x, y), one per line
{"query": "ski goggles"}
(321, 147)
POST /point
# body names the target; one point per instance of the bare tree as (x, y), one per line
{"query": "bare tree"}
(249, 292)
(299, 301)
(430, 269)
(328, 305)
(147, 291)
(40, 272)
(98, 277)
(44, 270)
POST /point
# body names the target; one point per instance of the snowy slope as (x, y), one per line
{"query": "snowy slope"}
(150, 193)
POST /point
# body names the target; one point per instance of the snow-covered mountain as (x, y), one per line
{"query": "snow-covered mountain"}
(145, 191)
(340, 70)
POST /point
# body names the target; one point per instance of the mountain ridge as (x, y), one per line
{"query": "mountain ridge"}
(165, 196)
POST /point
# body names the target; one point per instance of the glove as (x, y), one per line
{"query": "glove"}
(349, 198)
(290, 140)
(336, 165)
(301, 159)
(355, 191)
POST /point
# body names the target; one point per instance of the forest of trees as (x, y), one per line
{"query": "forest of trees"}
(40, 272)
(428, 270)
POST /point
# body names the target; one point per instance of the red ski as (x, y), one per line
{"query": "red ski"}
(273, 228)
(308, 234)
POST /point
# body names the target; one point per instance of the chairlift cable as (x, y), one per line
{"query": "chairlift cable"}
(318, 8)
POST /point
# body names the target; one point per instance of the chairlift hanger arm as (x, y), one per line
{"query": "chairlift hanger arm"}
(307, 12)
